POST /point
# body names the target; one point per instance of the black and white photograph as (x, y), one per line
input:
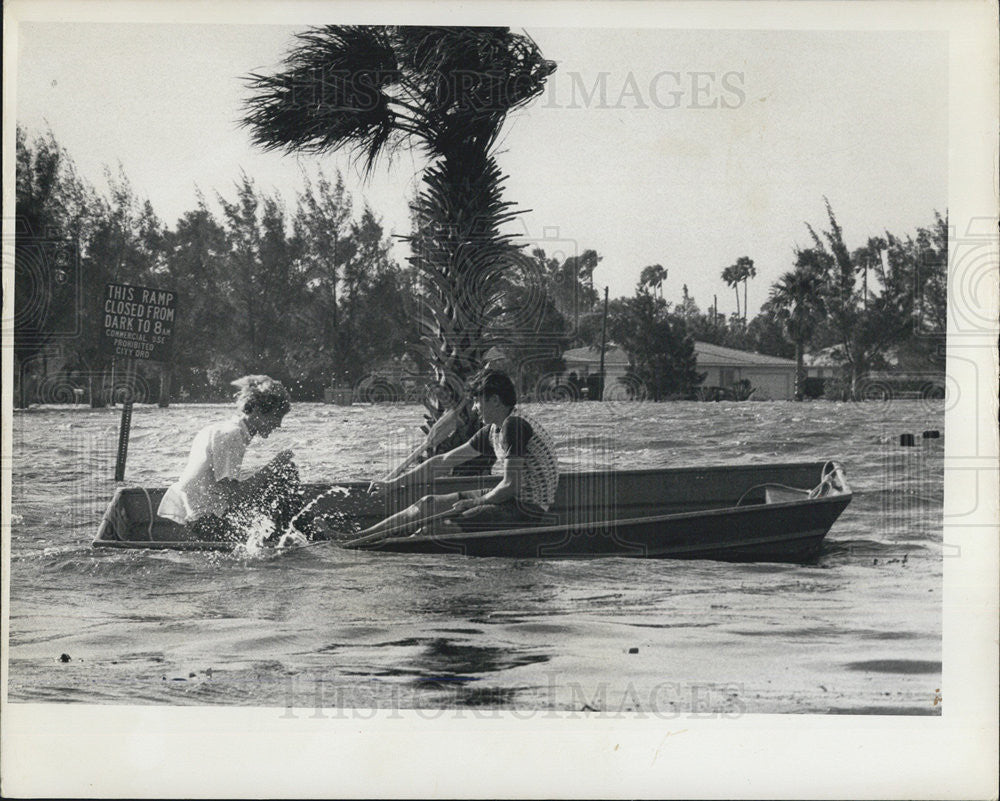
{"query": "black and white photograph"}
(556, 400)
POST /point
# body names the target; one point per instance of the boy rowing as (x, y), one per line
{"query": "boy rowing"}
(527, 461)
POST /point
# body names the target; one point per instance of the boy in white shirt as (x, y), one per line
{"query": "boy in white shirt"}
(208, 497)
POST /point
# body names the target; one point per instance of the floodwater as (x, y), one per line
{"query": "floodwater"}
(857, 632)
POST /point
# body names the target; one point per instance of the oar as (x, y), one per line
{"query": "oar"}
(443, 428)
(381, 535)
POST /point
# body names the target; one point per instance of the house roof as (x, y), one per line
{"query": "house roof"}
(717, 356)
(707, 355)
(613, 355)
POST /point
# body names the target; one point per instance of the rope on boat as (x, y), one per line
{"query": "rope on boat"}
(831, 478)
(770, 484)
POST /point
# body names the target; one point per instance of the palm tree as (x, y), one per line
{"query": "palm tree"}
(652, 277)
(796, 301)
(732, 278)
(444, 92)
(745, 271)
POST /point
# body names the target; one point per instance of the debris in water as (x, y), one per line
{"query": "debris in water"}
(64, 658)
(633, 650)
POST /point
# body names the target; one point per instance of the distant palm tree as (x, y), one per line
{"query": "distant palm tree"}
(745, 271)
(738, 273)
(732, 278)
(796, 301)
(444, 92)
(652, 277)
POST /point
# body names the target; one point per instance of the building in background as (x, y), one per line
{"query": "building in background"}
(587, 361)
(772, 377)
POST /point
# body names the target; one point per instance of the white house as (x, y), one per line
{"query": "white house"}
(587, 361)
(773, 377)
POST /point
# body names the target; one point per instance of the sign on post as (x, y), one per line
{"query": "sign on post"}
(138, 322)
(137, 325)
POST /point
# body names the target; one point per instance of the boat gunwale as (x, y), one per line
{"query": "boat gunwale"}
(632, 471)
(631, 521)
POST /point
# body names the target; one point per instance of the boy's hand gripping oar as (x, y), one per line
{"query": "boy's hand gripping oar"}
(293, 542)
(381, 535)
(441, 430)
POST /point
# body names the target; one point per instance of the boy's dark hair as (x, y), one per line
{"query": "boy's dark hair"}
(498, 384)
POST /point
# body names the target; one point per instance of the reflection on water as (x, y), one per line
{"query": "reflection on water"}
(445, 672)
(859, 630)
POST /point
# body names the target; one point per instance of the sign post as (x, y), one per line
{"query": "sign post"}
(138, 324)
(123, 432)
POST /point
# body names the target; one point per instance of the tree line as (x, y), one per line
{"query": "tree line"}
(880, 307)
(310, 293)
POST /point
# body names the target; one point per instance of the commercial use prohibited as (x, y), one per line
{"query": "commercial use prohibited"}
(138, 322)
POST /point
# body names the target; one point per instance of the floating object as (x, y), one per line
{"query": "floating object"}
(64, 658)
(730, 513)
(906, 440)
(932, 434)
(633, 650)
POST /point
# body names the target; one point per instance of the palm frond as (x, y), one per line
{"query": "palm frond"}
(330, 93)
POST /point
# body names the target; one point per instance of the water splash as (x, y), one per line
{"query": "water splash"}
(259, 527)
(292, 528)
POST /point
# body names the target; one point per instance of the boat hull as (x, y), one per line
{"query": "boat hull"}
(731, 513)
(792, 532)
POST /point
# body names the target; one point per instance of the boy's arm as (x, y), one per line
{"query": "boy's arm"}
(228, 488)
(441, 464)
(508, 488)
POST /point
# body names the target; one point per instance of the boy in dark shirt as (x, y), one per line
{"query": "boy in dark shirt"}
(527, 463)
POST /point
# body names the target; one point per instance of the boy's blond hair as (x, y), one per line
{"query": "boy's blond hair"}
(261, 393)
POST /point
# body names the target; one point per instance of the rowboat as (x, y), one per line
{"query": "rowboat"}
(771, 513)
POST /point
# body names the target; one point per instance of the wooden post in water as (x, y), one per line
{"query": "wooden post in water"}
(604, 339)
(165, 378)
(126, 423)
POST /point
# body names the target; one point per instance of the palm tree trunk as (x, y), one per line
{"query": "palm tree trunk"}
(736, 288)
(745, 304)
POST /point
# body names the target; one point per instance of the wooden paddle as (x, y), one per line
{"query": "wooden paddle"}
(443, 428)
(381, 535)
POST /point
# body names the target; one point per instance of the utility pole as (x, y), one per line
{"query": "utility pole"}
(604, 339)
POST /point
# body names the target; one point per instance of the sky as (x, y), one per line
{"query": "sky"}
(682, 147)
